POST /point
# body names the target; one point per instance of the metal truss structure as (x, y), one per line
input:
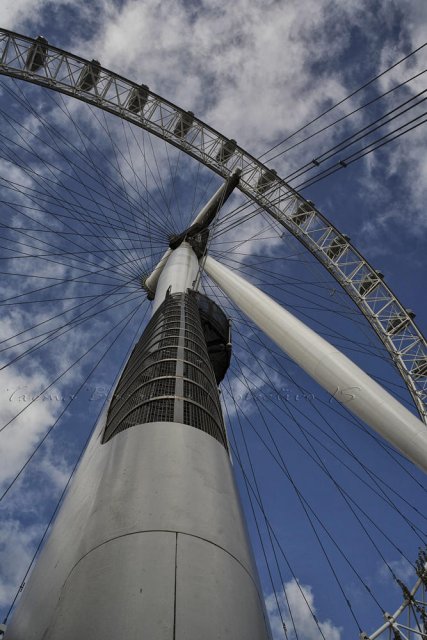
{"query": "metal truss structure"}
(409, 622)
(36, 61)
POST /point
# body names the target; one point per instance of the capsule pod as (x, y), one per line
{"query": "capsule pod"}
(266, 179)
(303, 212)
(89, 76)
(398, 322)
(337, 246)
(369, 282)
(184, 124)
(138, 98)
(37, 55)
(227, 149)
(419, 370)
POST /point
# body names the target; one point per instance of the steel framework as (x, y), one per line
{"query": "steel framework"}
(36, 61)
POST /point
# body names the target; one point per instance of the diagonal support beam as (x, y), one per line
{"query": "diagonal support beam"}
(209, 211)
(200, 223)
(336, 373)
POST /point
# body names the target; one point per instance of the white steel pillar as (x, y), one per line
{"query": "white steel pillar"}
(329, 367)
(150, 542)
(178, 273)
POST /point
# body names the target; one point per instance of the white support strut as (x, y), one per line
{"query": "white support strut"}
(327, 365)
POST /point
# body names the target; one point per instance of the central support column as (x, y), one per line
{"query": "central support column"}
(151, 542)
(178, 275)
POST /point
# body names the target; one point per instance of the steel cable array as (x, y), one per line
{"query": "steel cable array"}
(89, 207)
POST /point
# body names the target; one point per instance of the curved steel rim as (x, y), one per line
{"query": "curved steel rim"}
(62, 71)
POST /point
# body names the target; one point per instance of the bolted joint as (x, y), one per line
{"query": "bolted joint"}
(208, 213)
(197, 241)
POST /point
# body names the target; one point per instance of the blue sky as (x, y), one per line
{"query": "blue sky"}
(256, 72)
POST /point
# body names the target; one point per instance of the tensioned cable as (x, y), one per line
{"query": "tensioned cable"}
(55, 133)
(58, 315)
(279, 546)
(52, 168)
(264, 552)
(19, 230)
(368, 130)
(306, 506)
(173, 172)
(54, 140)
(364, 151)
(52, 200)
(116, 262)
(61, 375)
(347, 115)
(68, 159)
(353, 422)
(160, 185)
(25, 231)
(117, 191)
(120, 173)
(51, 286)
(236, 452)
(77, 321)
(137, 189)
(105, 127)
(395, 455)
(344, 493)
(343, 163)
(257, 356)
(74, 467)
(147, 166)
(366, 516)
(258, 499)
(350, 95)
(74, 395)
(159, 219)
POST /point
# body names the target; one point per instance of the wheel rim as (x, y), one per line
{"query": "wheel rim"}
(347, 266)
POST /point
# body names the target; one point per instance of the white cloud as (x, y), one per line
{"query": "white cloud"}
(19, 438)
(256, 71)
(301, 602)
(17, 544)
(401, 568)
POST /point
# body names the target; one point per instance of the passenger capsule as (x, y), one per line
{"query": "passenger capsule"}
(369, 282)
(37, 55)
(337, 246)
(266, 180)
(399, 322)
(227, 149)
(89, 76)
(303, 212)
(419, 370)
(138, 98)
(184, 124)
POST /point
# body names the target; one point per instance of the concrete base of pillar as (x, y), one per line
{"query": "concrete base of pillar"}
(150, 543)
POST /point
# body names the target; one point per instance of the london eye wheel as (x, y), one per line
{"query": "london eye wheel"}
(99, 178)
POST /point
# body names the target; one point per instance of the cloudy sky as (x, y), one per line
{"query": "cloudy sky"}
(257, 72)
